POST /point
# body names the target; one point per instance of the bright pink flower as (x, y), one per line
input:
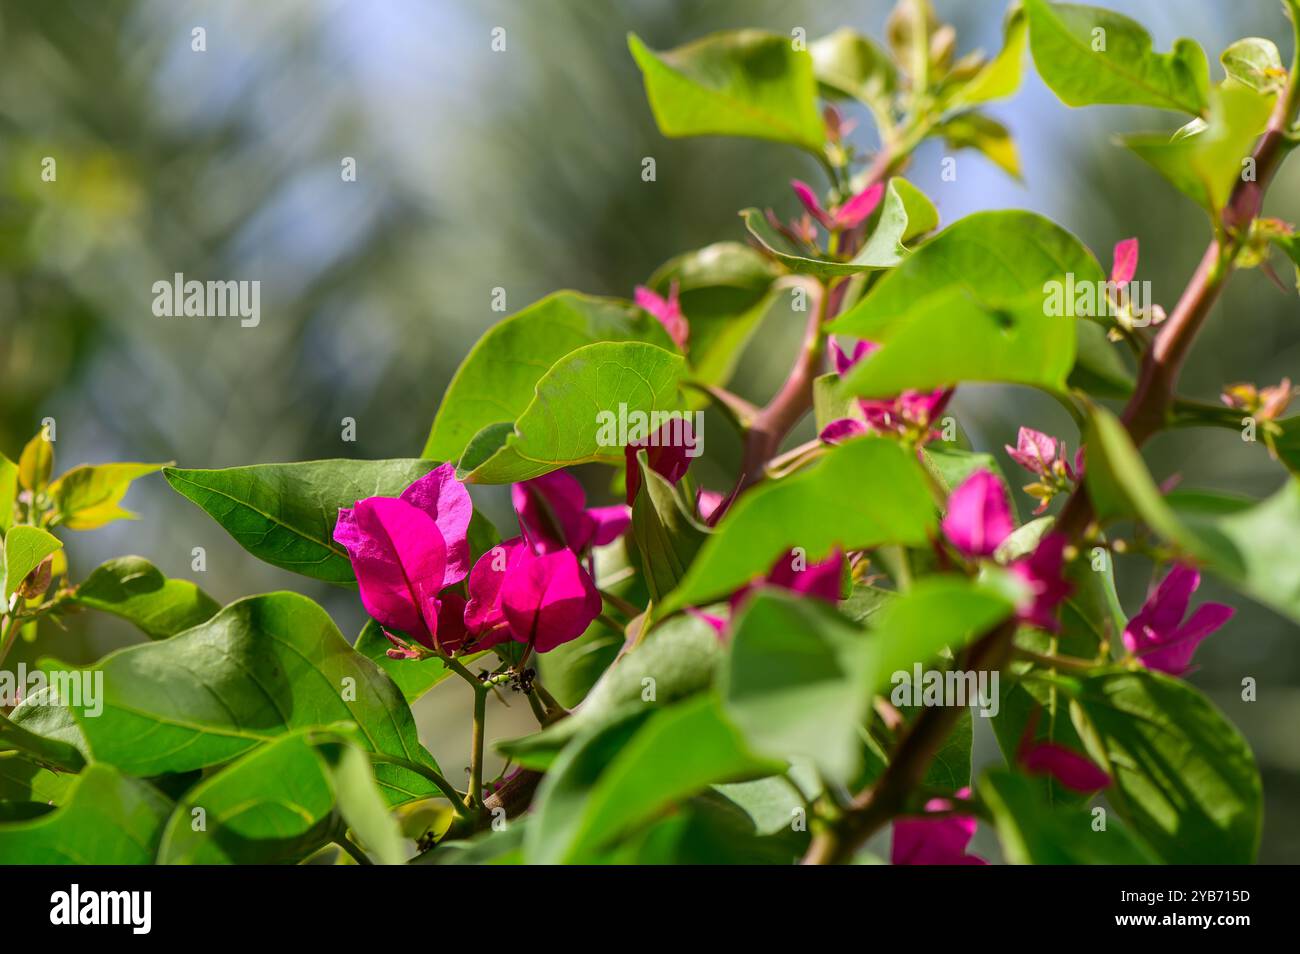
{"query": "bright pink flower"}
(668, 452)
(1157, 635)
(549, 599)
(935, 841)
(1125, 262)
(1043, 572)
(484, 617)
(979, 515)
(1072, 769)
(843, 362)
(707, 504)
(405, 550)
(849, 215)
(668, 311)
(553, 514)
(843, 429)
(820, 580)
(1035, 451)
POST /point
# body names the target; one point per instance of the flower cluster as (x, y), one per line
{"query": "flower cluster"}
(911, 414)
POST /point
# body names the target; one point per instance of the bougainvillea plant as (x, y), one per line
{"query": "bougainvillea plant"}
(785, 668)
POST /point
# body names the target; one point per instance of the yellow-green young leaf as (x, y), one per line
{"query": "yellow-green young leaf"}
(134, 589)
(981, 301)
(735, 83)
(1205, 161)
(1090, 56)
(609, 782)
(862, 494)
(188, 702)
(985, 135)
(24, 549)
(36, 463)
(1035, 831)
(575, 416)
(905, 213)
(107, 819)
(498, 378)
(276, 805)
(1000, 77)
(726, 289)
(88, 495)
(8, 492)
(846, 63)
(1184, 778)
(1256, 63)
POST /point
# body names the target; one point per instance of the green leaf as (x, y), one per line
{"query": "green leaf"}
(851, 64)
(667, 536)
(677, 659)
(1205, 161)
(973, 304)
(862, 494)
(1251, 547)
(799, 678)
(24, 550)
(795, 681)
(133, 588)
(497, 379)
(725, 290)
(565, 424)
(735, 83)
(1255, 62)
(985, 135)
(284, 514)
(260, 668)
(905, 212)
(625, 774)
(88, 495)
(24, 780)
(1000, 77)
(1185, 779)
(414, 677)
(8, 493)
(1090, 56)
(276, 805)
(107, 820)
(21, 732)
(36, 462)
(1033, 831)
(1098, 368)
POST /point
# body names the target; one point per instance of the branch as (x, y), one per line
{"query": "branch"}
(1147, 412)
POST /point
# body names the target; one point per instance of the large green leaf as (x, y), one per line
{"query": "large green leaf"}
(24, 549)
(1090, 56)
(1206, 163)
(799, 678)
(497, 379)
(562, 426)
(277, 805)
(861, 494)
(736, 83)
(906, 212)
(624, 774)
(1185, 779)
(133, 588)
(1251, 547)
(971, 304)
(285, 513)
(108, 819)
(261, 667)
(677, 659)
(726, 289)
(1034, 831)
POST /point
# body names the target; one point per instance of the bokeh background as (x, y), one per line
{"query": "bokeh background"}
(477, 169)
